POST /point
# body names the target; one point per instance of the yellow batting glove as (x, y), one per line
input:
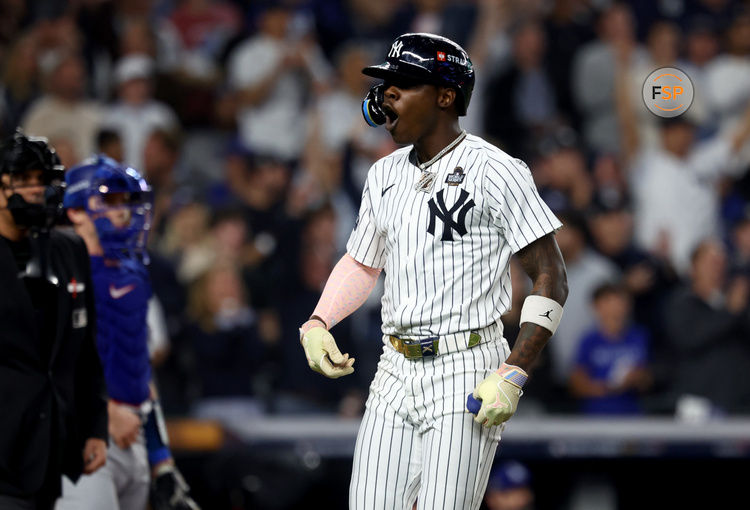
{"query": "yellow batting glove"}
(323, 355)
(499, 393)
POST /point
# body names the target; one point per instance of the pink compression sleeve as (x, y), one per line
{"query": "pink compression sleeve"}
(346, 289)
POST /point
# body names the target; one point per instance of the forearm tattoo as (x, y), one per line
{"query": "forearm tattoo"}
(544, 264)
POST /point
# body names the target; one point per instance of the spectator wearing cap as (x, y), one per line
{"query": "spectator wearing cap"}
(136, 113)
(63, 112)
(509, 487)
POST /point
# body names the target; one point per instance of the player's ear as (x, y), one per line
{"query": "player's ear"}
(75, 215)
(446, 97)
(5, 192)
(4, 181)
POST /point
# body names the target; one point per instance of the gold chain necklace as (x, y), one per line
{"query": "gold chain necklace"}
(426, 180)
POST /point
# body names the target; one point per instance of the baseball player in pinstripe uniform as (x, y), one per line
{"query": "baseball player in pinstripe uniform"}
(442, 216)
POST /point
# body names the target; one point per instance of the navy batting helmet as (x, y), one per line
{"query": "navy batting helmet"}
(431, 58)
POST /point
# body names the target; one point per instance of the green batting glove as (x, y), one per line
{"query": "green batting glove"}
(323, 355)
(499, 394)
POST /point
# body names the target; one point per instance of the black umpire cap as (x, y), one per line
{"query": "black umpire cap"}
(432, 59)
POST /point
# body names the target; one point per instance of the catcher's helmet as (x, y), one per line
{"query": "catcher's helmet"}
(98, 178)
(431, 58)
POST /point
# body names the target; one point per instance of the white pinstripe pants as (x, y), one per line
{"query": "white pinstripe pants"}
(417, 441)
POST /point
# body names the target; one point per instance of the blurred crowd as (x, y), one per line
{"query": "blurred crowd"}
(245, 117)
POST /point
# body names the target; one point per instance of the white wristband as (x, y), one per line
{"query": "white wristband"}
(543, 311)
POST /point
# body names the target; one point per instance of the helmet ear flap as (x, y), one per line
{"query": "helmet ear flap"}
(372, 106)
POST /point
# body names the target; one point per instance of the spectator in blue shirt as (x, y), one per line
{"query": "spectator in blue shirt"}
(611, 363)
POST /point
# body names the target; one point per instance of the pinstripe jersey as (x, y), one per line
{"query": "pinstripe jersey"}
(446, 252)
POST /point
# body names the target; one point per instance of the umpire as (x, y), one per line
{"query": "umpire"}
(53, 414)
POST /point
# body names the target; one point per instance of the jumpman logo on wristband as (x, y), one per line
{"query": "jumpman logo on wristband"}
(546, 314)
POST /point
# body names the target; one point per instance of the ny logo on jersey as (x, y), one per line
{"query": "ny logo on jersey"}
(396, 49)
(439, 210)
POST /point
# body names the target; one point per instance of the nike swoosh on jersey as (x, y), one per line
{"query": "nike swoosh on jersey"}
(117, 293)
(386, 189)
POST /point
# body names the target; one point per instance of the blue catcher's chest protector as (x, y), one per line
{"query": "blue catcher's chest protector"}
(122, 291)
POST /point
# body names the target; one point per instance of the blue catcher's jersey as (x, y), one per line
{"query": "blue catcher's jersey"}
(122, 293)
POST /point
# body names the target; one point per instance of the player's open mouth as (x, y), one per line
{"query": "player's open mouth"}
(391, 118)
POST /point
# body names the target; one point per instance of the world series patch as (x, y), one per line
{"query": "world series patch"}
(455, 178)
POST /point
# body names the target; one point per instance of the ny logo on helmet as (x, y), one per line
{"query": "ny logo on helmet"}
(396, 49)
(440, 210)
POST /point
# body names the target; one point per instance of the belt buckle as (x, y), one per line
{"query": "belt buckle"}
(397, 343)
(424, 348)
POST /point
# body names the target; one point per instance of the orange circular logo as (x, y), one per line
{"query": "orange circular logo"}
(668, 92)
